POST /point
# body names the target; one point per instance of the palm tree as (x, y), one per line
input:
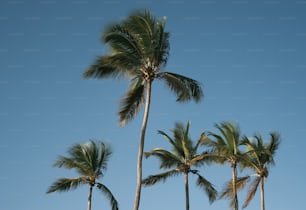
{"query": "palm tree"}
(259, 156)
(139, 51)
(181, 160)
(90, 161)
(226, 146)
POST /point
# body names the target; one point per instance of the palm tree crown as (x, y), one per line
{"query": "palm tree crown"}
(226, 147)
(139, 51)
(90, 162)
(259, 156)
(181, 160)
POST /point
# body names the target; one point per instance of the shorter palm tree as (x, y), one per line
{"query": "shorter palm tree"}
(259, 156)
(180, 161)
(226, 147)
(90, 161)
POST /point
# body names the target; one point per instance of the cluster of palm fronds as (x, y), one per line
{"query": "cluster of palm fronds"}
(219, 149)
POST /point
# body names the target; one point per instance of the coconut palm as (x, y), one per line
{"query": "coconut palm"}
(259, 156)
(181, 160)
(226, 146)
(90, 162)
(139, 50)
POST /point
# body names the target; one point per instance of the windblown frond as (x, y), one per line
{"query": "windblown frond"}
(227, 191)
(184, 87)
(252, 190)
(153, 179)
(66, 184)
(131, 104)
(167, 158)
(209, 189)
(109, 195)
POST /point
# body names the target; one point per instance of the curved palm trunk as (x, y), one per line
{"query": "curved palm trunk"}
(262, 193)
(186, 190)
(234, 181)
(89, 197)
(141, 146)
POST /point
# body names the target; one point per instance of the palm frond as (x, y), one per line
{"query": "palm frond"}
(252, 190)
(66, 184)
(104, 68)
(109, 195)
(131, 104)
(105, 153)
(167, 159)
(122, 41)
(227, 191)
(153, 179)
(184, 88)
(207, 187)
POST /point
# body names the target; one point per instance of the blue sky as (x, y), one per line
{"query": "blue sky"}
(248, 55)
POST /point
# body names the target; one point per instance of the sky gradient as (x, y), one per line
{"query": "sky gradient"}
(248, 55)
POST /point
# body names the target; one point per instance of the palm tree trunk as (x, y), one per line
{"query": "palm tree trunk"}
(186, 190)
(89, 197)
(141, 146)
(262, 193)
(234, 182)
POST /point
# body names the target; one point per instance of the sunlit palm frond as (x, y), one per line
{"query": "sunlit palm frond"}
(167, 158)
(184, 88)
(153, 179)
(66, 184)
(207, 187)
(109, 195)
(227, 191)
(131, 104)
(251, 192)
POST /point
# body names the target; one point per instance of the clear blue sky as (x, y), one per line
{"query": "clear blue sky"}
(248, 55)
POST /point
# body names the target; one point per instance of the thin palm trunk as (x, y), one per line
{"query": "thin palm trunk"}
(234, 182)
(262, 193)
(141, 146)
(89, 197)
(187, 190)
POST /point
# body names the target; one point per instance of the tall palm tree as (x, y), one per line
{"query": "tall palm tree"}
(259, 156)
(181, 160)
(90, 161)
(139, 51)
(226, 146)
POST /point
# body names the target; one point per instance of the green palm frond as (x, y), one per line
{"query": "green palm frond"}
(104, 156)
(167, 158)
(131, 104)
(252, 190)
(66, 184)
(153, 179)
(207, 187)
(122, 41)
(175, 142)
(109, 195)
(185, 88)
(102, 68)
(273, 144)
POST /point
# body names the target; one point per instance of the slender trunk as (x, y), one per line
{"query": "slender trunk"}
(186, 190)
(234, 183)
(262, 193)
(89, 197)
(141, 146)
